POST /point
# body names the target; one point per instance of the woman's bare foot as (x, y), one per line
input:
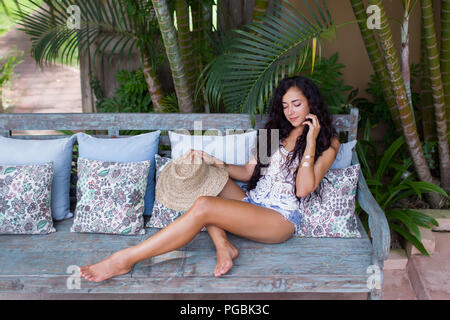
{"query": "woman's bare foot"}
(115, 265)
(225, 255)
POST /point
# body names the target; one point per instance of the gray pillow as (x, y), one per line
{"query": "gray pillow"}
(344, 155)
(58, 151)
(130, 149)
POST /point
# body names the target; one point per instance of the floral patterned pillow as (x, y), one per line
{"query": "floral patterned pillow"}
(25, 199)
(161, 215)
(110, 197)
(333, 213)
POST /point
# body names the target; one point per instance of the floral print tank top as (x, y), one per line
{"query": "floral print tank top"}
(277, 186)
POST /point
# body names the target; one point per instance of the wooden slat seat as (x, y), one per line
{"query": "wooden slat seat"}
(38, 264)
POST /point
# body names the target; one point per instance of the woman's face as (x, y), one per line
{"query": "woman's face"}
(295, 107)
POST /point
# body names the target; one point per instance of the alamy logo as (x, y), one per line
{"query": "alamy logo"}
(74, 281)
(374, 280)
(73, 21)
(374, 17)
(236, 146)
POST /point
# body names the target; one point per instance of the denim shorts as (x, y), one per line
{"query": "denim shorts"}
(293, 216)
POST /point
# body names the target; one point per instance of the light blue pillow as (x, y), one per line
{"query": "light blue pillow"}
(58, 151)
(344, 155)
(133, 149)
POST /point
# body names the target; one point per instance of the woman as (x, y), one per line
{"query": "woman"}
(268, 212)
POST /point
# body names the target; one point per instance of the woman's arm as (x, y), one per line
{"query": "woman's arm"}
(241, 173)
(310, 175)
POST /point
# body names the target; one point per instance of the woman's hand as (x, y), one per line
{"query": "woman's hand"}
(314, 128)
(208, 159)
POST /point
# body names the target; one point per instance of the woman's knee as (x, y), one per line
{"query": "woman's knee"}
(202, 206)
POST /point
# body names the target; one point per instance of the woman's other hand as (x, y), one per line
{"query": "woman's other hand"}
(314, 128)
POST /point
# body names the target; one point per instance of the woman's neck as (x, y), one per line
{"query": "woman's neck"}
(296, 132)
(290, 141)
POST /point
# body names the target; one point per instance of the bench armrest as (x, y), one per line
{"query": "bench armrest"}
(379, 227)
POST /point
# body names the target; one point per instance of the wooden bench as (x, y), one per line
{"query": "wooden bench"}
(38, 265)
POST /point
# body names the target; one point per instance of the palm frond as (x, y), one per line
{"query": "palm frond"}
(111, 27)
(261, 54)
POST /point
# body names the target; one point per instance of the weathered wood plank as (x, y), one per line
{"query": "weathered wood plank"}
(47, 263)
(5, 133)
(141, 121)
(84, 241)
(224, 284)
(201, 263)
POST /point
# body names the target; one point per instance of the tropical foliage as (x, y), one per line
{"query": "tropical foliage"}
(395, 85)
(7, 65)
(106, 28)
(392, 181)
(328, 76)
(243, 76)
(7, 7)
(375, 107)
(131, 95)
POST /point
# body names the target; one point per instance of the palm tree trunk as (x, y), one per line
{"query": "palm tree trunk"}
(196, 25)
(406, 71)
(409, 126)
(173, 51)
(259, 10)
(445, 56)
(377, 62)
(426, 94)
(206, 32)
(185, 41)
(438, 92)
(153, 83)
(202, 24)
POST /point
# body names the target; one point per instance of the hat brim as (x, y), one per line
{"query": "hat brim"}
(177, 196)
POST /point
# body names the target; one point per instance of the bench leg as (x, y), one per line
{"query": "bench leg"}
(375, 280)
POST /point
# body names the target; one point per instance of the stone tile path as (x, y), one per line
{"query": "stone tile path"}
(432, 280)
(54, 89)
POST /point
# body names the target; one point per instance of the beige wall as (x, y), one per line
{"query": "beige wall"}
(349, 42)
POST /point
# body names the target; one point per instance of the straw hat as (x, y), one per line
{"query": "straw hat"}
(181, 182)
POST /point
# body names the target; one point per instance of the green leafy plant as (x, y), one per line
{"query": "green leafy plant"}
(131, 95)
(7, 9)
(389, 180)
(7, 66)
(430, 150)
(170, 103)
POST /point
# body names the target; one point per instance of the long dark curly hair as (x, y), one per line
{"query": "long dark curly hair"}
(277, 121)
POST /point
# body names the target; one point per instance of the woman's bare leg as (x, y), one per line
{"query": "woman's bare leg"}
(225, 251)
(241, 218)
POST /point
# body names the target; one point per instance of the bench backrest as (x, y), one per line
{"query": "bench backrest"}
(112, 123)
